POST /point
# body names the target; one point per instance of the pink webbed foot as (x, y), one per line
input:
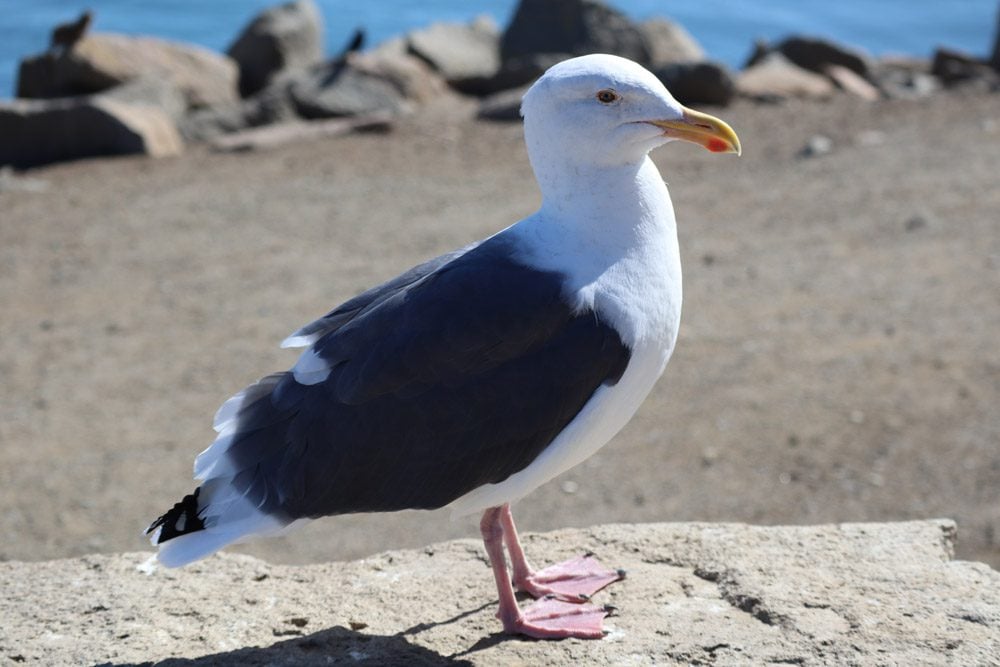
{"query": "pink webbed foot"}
(550, 618)
(573, 580)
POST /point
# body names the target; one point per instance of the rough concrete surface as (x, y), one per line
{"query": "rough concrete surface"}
(721, 594)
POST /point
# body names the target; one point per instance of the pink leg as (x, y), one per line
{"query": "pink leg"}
(545, 619)
(573, 581)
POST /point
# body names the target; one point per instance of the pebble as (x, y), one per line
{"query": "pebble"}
(816, 146)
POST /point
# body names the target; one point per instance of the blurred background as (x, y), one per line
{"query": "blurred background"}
(725, 28)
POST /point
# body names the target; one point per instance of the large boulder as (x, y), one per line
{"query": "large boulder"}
(504, 105)
(954, 67)
(698, 82)
(278, 39)
(575, 27)
(696, 594)
(815, 54)
(670, 43)
(513, 73)
(342, 88)
(153, 92)
(104, 60)
(37, 132)
(776, 77)
(459, 52)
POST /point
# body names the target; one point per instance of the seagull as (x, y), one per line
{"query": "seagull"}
(475, 377)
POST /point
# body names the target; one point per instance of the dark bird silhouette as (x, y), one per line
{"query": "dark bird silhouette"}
(66, 35)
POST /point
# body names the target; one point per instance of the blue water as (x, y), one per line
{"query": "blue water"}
(726, 28)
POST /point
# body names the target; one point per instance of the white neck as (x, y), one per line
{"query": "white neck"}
(603, 212)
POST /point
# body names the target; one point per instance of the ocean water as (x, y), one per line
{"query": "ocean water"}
(726, 28)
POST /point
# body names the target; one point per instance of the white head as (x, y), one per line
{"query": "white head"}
(600, 111)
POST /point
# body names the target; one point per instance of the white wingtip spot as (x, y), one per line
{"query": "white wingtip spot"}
(298, 340)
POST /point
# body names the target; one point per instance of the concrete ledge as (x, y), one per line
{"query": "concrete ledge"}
(726, 594)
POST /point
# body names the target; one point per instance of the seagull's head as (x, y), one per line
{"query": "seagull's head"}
(604, 110)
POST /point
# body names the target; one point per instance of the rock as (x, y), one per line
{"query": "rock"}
(104, 60)
(698, 82)
(149, 91)
(513, 73)
(37, 132)
(271, 105)
(995, 57)
(504, 105)
(669, 42)
(851, 82)
(954, 67)
(729, 594)
(411, 76)
(273, 136)
(816, 146)
(904, 78)
(359, 83)
(341, 88)
(459, 52)
(774, 76)
(815, 54)
(281, 38)
(576, 27)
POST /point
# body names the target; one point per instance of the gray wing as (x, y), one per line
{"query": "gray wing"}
(458, 378)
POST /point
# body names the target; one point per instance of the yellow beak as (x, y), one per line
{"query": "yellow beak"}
(701, 129)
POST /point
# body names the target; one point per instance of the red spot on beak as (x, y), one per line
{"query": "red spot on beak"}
(717, 145)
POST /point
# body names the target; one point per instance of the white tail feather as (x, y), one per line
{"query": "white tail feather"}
(231, 517)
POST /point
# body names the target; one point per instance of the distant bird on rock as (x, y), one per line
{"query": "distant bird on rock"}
(66, 35)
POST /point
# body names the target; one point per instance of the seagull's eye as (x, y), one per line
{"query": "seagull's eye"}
(607, 96)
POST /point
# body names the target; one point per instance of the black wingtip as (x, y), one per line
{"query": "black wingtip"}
(181, 519)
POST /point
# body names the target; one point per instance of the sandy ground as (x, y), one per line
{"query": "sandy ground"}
(838, 358)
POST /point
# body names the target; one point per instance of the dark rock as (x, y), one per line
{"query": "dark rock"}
(101, 61)
(513, 73)
(278, 39)
(815, 54)
(271, 105)
(995, 57)
(37, 132)
(205, 124)
(954, 67)
(576, 27)
(776, 77)
(339, 88)
(504, 105)
(698, 82)
(915, 222)
(459, 52)
(669, 43)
